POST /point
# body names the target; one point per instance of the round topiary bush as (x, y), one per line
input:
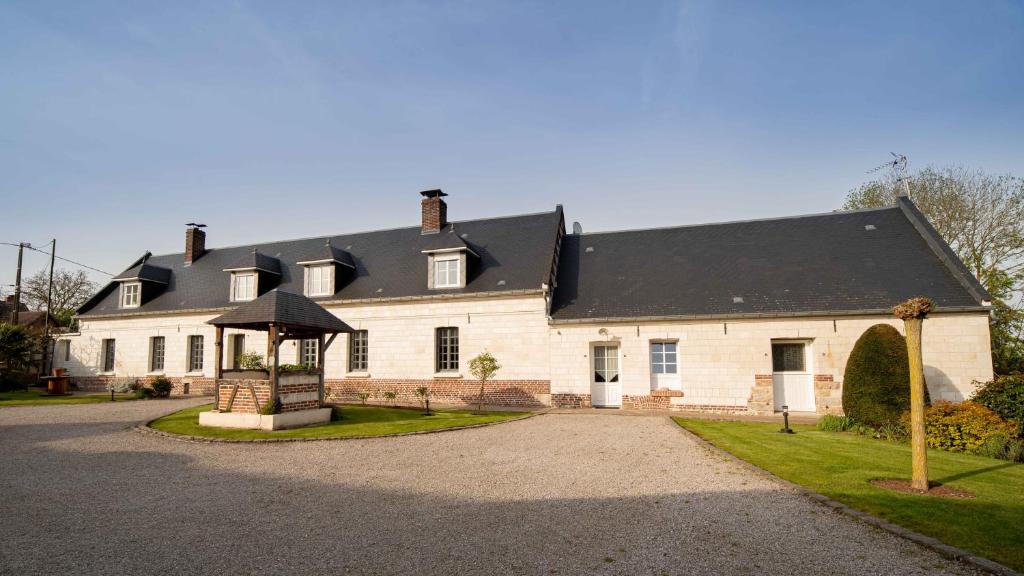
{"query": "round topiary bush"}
(876, 384)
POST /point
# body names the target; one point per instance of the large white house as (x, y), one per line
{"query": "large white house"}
(739, 316)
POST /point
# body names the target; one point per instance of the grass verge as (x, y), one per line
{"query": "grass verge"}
(35, 397)
(840, 466)
(356, 421)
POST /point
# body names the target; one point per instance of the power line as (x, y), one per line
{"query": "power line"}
(68, 260)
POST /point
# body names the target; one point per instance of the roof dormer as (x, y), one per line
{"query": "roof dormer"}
(253, 275)
(141, 283)
(325, 270)
(449, 259)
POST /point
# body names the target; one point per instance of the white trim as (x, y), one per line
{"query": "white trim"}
(448, 273)
(327, 290)
(234, 285)
(137, 293)
(324, 261)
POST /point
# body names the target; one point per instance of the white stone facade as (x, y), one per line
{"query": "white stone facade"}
(717, 360)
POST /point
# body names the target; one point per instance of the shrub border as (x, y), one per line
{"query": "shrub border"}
(145, 428)
(945, 550)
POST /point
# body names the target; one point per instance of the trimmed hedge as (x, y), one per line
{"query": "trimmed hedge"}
(876, 383)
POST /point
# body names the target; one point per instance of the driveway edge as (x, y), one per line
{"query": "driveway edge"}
(945, 550)
(145, 428)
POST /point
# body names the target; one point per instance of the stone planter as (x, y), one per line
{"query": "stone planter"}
(296, 419)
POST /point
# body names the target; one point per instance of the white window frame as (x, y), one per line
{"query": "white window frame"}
(325, 286)
(807, 356)
(446, 260)
(131, 294)
(664, 363)
(235, 277)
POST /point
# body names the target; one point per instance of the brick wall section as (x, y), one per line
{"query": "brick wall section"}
(512, 393)
(762, 395)
(649, 402)
(828, 394)
(197, 386)
(245, 403)
(570, 400)
(435, 214)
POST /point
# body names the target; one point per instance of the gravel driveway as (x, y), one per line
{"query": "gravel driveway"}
(556, 494)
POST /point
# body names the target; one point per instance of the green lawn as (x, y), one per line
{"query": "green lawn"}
(839, 465)
(357, 421)
(37, 397)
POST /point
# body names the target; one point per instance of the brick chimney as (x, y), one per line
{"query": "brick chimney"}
(195, 243)
(435, 211)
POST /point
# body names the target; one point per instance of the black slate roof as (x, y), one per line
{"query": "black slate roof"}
(842, 262)
(281, 308)
(329, 253)
(255, 260)
(448, 239)
(515, 253)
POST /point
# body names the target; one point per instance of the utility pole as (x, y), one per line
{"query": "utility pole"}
(17, 283)
(46, 319)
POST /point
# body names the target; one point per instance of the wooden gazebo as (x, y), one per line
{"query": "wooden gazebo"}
(284, 316)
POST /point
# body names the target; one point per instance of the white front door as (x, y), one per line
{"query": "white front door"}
(605, 388)
(792, 378)
(664, 366)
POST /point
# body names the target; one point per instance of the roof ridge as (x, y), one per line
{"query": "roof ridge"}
(747, 221)
(314, 237)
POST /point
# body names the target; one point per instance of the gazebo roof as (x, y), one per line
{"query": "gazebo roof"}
(285, 309)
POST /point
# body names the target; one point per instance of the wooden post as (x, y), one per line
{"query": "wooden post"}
(918, 443)
(273, 343)
(320, 364)
(218, 364)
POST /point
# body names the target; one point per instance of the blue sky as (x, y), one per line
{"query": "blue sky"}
(119, 122)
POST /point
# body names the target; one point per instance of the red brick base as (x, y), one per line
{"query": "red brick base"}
(570, 400)
(450, 391)
(180, 385)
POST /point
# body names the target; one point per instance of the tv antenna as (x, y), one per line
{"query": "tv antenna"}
(898, 164)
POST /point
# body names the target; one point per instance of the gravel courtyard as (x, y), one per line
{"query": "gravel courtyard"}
(80, 492)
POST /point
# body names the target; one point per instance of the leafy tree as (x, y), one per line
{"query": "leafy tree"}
(70, 290)
(483, 368)
(17, 345)
(981, 216)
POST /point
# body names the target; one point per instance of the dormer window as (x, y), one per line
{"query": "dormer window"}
(243, 286)
(320, 280)
(131, 294)
(446, 271)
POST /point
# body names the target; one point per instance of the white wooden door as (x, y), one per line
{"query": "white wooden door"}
(606, 388)
(792, 378)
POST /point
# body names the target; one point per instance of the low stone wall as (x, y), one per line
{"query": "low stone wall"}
(449, 391)
(828, 395)
(570, 400)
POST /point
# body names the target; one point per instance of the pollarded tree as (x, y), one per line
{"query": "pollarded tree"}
(483, 368)
(876, 382)
(913, 313)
